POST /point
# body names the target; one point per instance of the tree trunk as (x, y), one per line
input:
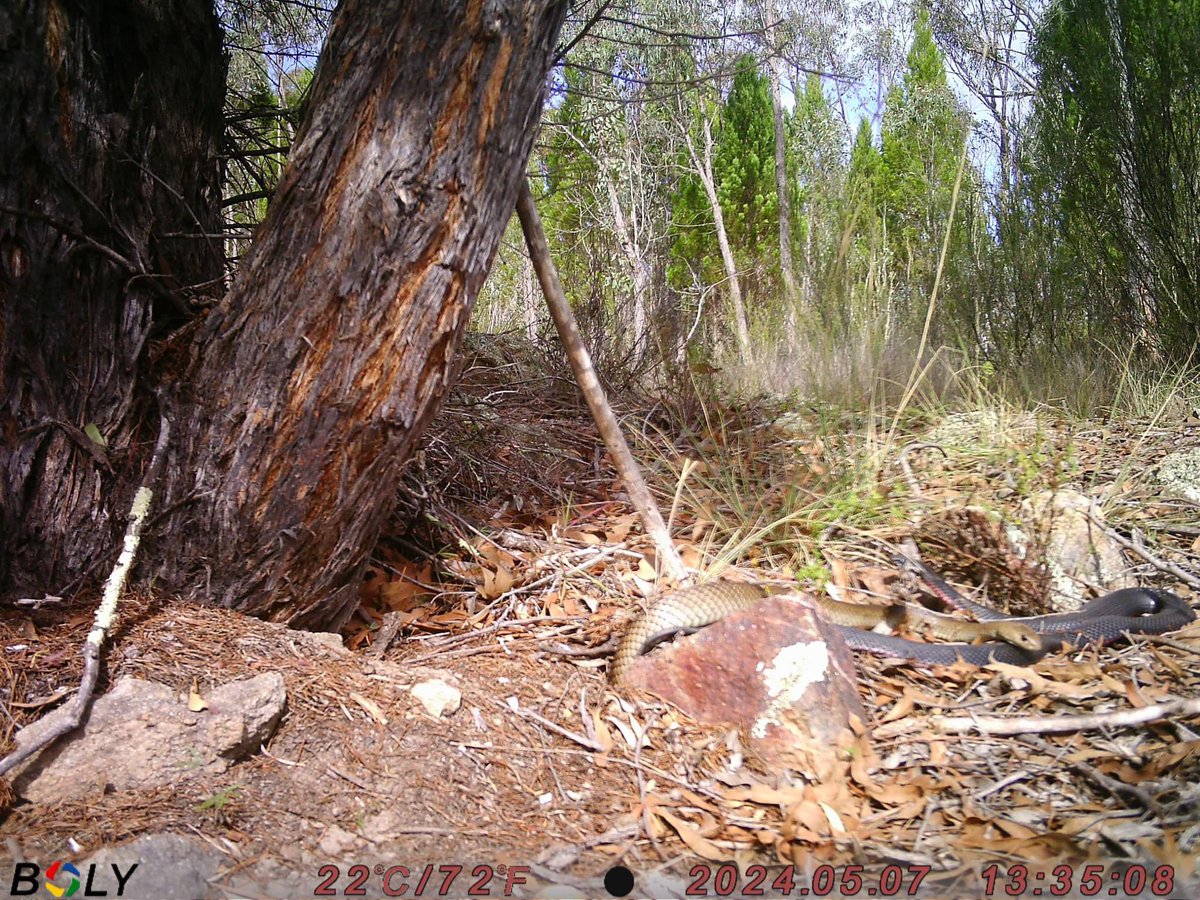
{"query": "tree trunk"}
(786, 265)
(109, 185)
(310, 384)
(703, 167)
(639, 268)
(531, 303)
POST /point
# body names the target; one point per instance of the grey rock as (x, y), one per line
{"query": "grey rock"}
(142, 735)
(1079, 554)
(168, 866)
(1179, 474)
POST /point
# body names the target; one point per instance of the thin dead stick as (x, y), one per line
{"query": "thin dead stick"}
(530, 716)
(605, 649)
(593, 392)
(106, 612)
(1114, 787)
(600, 556)
(913, 485)
(913, 380)
(685, 472)
(1140, 549)
(1121, 718)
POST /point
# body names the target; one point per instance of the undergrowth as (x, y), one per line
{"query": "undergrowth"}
(804, 441)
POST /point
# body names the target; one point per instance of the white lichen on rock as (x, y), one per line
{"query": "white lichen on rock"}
(984, 428)
(1179, 473)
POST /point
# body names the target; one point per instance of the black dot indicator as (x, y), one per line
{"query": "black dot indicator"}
(618, 881)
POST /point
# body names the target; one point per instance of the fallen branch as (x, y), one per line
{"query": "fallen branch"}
(593, 392)
(106, 612)
(1122, 718)
(1139, 548)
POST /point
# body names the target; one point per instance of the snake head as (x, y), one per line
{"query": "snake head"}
(1018, 634)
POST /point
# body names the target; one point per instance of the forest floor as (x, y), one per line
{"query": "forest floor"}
(513, 538)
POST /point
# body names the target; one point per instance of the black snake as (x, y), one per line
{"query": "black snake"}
(1020, 641)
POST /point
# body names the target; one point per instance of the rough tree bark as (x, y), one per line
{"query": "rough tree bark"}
(310, 383)
(702, 164)
(109, 181)
(783, 190)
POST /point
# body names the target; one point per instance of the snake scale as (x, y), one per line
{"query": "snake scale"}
(1020, 641)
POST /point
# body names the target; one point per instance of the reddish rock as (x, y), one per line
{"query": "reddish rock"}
(777, 670)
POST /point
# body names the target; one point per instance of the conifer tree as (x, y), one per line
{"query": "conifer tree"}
(924, 127)
(1118, 117)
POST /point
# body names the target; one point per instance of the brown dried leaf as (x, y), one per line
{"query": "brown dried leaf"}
(876, 581)
(765, 794)
(903, 707)
(1014, 829)
(894, 793)
(619, 527)
(401, 596)
(695, 841)
(496, 582)
(645, 570)
(808, 815)
(861, 767)
(1036, 684)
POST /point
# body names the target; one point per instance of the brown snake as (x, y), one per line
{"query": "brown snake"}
(1013, 640)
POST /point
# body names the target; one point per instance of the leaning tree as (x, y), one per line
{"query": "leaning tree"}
(296, 399)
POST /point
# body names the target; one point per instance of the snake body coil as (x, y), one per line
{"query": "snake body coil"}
(1020, 641)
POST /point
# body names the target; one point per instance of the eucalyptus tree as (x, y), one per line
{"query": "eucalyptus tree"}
(871, 54)
(987, 45)
(608, 176)
(295, 401)
(817, 142)
(797, 39)
(699, 213)
(774, 34)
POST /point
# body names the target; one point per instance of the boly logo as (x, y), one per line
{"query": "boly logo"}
(65, 880)
(52, 876)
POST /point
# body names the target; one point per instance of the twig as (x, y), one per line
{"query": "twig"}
(1169, 642)
(530, 716)
(610, 550)
(1114, 787)
(454, 640)
(589, 384)
(1121, 718)
(913, 485)
(74, 233)
(106, 612)
(599, 650)
(1140, 549)
(357, 782)
(35, 603)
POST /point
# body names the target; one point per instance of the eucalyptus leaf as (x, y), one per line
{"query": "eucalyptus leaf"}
(93, 432)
